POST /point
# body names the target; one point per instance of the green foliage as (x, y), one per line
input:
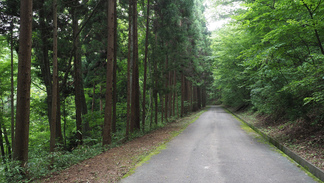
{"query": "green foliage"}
(273, 54)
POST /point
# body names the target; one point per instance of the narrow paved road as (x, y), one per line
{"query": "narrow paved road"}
(215, 149)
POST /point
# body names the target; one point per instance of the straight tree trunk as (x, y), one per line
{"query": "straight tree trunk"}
(171, 93)
(194, 98)
(77, 79)
(114, 114)
(24, 81)
(5, 134)
(100, 99)
(86, 127)
(145, 64)
(45, 63)
(135, 111)
(12, 88)
(162, 107)
(55, 81)
(174, 91)
(93, 97)
(199, 97)
(182, 95)
(166, 95)
(3, 131)
(129, 69)
(3, 154)
(58, 128)
(110, 65)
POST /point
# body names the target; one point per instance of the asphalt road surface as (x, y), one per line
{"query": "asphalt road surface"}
(215, 149)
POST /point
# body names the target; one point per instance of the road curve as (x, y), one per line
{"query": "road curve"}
(215, 149)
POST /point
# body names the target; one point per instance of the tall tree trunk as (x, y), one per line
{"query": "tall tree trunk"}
(12, 87)
(24, 81)
(155, 81)
(182, 95)
(93, 97)
(58, 128)
(199, 97)
(5, 134)
(194, 98)
(77, 74)
(55, 81)
(162, 107)
(166, 95)
(3, 154)
(145, 63)
(45, 63)
(114, 114)
(86, 126)
(170, 94)
(100, 99)
(129, 69)
(110, 65)
(174, 91)
(135, 112)
(3, 131)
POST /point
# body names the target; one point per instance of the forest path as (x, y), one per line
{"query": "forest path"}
(215, 148)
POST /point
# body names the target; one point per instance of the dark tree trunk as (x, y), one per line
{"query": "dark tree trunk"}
(58, 133)
(129, 68)
(145, 63)
(109, 80)
(170, 94)
(77, 79)
(199, 97)
(24, 81)
(53, 121)
(135, 112)
(12, 88)
(114, 114)
(162, 107)
(93, 97)
(45, 63)
(183, 95)
(174, 91)
(166, 95)
(3, 154)
(100, 99)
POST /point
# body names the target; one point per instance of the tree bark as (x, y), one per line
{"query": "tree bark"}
(145, 63)
(110, 64)
(55, 81)
(135, 112)
(93, 97)
(24, 81)
(199, 97)
(129, 69)
(166, 95)
(155, 96)
(183, 95)
(58, 128)
(12, 87)
(45, 63)
(114, 114)
(77, 79)
(174, 91)
(3, 154)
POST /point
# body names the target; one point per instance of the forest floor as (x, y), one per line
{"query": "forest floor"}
(112, 165)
